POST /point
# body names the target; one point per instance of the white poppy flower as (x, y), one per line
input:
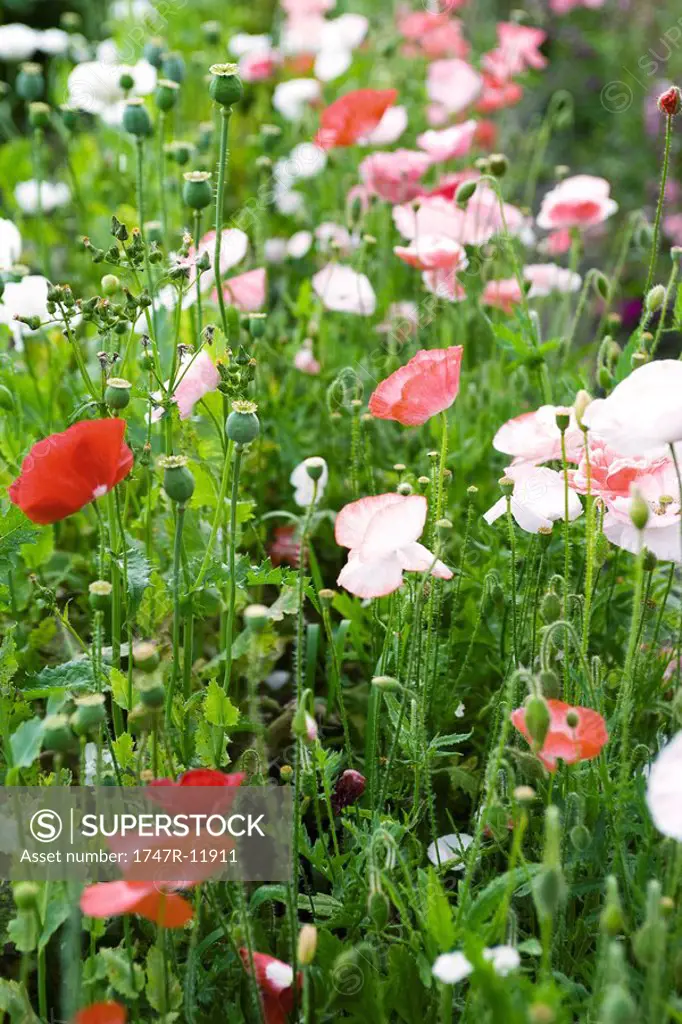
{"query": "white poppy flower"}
(664, 790)
(451, 849)
(17, 42)
(302, 482)
(10, 244)
(52, 196)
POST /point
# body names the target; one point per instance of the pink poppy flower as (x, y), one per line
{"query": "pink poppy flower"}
(304, 8)
(342, 290)
(661, 535)
(448, 184)
(402, 321)
(305, 361)
(504, 294)
(566, 6)
(197, 377)
(437, 115)
(642, 412)
(394, 176)
(112, 899)
(353, 117)
(538, 499)
(425, 386)
(433, 252)
(275, 981)
(330, 236)
(432, 35)
(664, 789)
(382, 533)
(546, 278)
(498, 94)
(449, 144)
(247, 291)
(611, 475)
(518, 50)
(429, 215)
(582, 201)
(486, 135)
(534, 437)
(556, 243)
(234, 244)
(259, 65)
(453, 84)
(444, 285)
(570, 743)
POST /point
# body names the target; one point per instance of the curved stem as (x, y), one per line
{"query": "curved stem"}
(659, 207)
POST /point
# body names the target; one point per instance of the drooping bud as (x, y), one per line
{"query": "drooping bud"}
(612, 921)
(465, 192)
(349, 788)
(582, 401)
(655, 298)
(538, 720)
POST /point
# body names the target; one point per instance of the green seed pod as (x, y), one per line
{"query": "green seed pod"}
(100, 595)
(30, 82)
(136, 119)
(197, 192)
(225, 86)
(6, 399)
(26, 895)
(178, 482)
(378, 909)
(173, 68)
(110, 284)
(180, 152)
(146, 656)
(126, 81)
(117, 393)
(538, 720)
(242, 425)
(152, 692)
(563, 419)
(601, 284)
(618, 1007)
(211, 31)
(153, 52)
(314, 467)
(89, 714)
(167, 93)
(256, 617)
(38, 115)
(57, 734)
(257, 326)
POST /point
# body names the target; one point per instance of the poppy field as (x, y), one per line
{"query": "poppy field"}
(340, 460)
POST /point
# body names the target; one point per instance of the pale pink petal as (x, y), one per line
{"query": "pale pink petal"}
(197, 377)
(376, 578)
(416, 558)
(394, 527)
(353, 520)
(247, 291)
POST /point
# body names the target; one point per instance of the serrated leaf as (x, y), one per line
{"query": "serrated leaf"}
(38, 552)
(155, 988)
(439, 919)
(71, 675)
(25, 743)
(139, 575)
(155, 605)
(58, 910)
(22, 931)
(119, 688)
(15, 1002)
(15, 530)
(124, 750)
(218, 708)
(118, 970)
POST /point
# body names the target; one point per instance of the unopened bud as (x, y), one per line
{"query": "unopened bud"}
(639, 509)
(307, 944)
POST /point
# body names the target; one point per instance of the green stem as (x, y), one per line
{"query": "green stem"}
(177, 555)
(225, 113)
(589, 551)
(162, 177)
(512, 544)
(659, 207)
(232, 588)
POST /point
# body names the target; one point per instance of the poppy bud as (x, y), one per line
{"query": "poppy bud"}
(136, 119)
(307, 944)
(30, 83)
(549, 682)
(538, 720)
(669, 101)
(146, 656)
(378, 909)
(639, 509)
(256, 325)
(650, 561)
(242, 425)
(226, 85)
(638, 359)
(38, 115)
(465, 192)
(89, 714)
(304, 726)
(26, 895)
(100, 595)
(548, 891)
(57, 734)
(286, 773)
(256, 617)
(153, 52)
(178, 482)
(580, 838)
(152, 692)
(387, 683)
(117, 393)
(601, 284)
(605, 378)
(582, 400)
(166, 95)
(655, 298)
(173, 67)
(349, 788)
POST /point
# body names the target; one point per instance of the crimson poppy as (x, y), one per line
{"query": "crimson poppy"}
(203, 777)
(275, 981)
(102, 1013)
(353, 116)
(148, 899)
(565, 739)
(64, 472)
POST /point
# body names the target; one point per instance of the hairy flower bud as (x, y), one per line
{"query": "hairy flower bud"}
(669, 101)
(349, 788)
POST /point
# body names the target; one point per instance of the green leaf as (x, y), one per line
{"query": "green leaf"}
(38, 552)
(156, 983)
(139, 576)
(8, 661)
(15, 530)
(325, 906)
(439, 914)
(124, 750)
(22, 931)
(26, 742)
(218, 708)
(488, 900)
(155, 605)
(15, 1002)
(58, 911)
(119, 688)
(117, 969)
(71, 675)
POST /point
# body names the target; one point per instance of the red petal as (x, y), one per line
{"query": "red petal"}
(102, 1013)
(352, 116)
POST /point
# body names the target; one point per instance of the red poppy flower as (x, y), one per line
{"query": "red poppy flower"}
(66, 471)
(285, 547)
(570, 742)
(275, 981)
(113, 899)
(427, 385)
(353, 116)
(203, 777)
(102, 1013)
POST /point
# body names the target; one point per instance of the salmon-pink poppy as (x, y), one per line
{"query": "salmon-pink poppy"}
(433, 252)
(102, 1013)
(497, 94)
(353, 116)
(610, 474)
(247, 291)
(556, 243)
(394, 176)
(147, 899)
(518, 50)
(450, 143)
(196, 377)
(66, 471)
(382, 533)
(447, 185)
(534, 436)
(568, 742)
(504, 294)
(443, 283)
(275, 981)
(425, 386)
(453, 84)
(582, 201)
(658, 487)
